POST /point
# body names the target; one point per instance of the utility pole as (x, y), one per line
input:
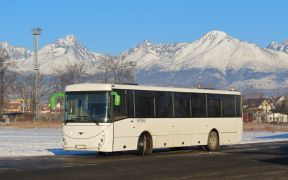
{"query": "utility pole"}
(36, 32)
(133, 64)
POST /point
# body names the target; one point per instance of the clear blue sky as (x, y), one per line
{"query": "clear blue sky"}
(112, 26)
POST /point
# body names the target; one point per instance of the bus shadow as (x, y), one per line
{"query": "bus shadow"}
(62, 152)
(164, 151)
(281, 158)
(275, 153)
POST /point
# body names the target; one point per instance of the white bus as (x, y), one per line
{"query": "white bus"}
(115, 117)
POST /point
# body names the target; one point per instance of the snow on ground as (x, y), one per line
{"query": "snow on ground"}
(28, 142)
(47, 142)
(263, 136)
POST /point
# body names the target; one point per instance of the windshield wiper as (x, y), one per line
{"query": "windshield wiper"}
(70, 120)
(91, 117)
(84, 118)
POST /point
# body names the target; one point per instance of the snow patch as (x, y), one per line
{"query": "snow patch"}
(47, 142)
(263, 136)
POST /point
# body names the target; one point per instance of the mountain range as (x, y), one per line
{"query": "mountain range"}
(279, 47)
(216, 60)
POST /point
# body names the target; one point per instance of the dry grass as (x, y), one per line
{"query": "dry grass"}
(57, 123)
(27, 121)
(250, 126)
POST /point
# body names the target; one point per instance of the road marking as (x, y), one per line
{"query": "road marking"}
(253, 149)
(4, 170)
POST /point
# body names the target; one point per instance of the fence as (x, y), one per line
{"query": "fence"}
(28, 121)
(256, 126)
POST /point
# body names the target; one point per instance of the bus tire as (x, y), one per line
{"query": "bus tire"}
(145, 145)
(213, 141)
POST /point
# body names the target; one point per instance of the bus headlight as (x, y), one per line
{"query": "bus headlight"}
(101, 140)
(64, 141)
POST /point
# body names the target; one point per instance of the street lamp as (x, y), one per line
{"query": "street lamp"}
(36, 32)
(133, 64)
(199, 80)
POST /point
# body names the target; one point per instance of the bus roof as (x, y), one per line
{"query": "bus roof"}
(110, 87)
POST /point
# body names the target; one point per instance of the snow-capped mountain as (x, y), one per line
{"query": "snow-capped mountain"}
(16, 53)
(66, 50)
(215, 60)
(279, 47)
(214, 50)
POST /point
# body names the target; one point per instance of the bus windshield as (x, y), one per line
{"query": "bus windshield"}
(91, 107)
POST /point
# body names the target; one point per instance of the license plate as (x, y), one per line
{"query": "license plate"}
(81, 146)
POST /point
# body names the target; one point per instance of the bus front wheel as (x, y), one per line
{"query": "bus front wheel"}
(213, 141)
(145, 145)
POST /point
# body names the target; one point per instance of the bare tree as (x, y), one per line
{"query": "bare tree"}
(6, 76)
(122, 70)
(114, 69)
(282, 107)
(104, 65)
(23, 88)
(70, 74)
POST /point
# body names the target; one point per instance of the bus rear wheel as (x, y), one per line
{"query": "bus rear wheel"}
(213, 141)
(145, 145)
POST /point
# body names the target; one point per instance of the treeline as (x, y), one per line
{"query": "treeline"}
(110, 69)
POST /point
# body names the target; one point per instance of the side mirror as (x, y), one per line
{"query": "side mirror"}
(116, 98)
(53, 98)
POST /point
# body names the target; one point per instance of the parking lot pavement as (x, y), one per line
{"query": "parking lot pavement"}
(244, 161)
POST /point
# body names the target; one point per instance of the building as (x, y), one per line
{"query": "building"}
(258, 105)
(277, 118)
(265, 110)
(45, 108)
(14, 106)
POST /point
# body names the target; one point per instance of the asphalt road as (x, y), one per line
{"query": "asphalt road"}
(247, 161)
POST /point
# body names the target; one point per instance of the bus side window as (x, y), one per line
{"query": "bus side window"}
(144, 104)
(120, 112)
(214, 105)
(238, 106)
(228, 105)
(198, 101)
(130, 104)
(182, 105)
(164, 107)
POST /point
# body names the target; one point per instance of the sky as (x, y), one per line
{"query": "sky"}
(113, 26)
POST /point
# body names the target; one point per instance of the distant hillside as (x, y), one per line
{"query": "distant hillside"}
(215, 60)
